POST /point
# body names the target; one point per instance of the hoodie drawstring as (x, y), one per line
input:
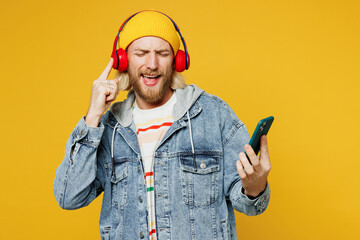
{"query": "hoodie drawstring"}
(192, 143)
(112, 151)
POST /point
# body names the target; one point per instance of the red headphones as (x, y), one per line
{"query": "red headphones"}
(182, 59)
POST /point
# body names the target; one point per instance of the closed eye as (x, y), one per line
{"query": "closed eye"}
(140, 54)
(163, 53)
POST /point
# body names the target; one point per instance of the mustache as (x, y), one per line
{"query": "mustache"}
(149, 72)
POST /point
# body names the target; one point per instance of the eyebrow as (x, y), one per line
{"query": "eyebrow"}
(157, 51)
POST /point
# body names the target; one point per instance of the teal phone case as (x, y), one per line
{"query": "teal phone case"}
(262, 128)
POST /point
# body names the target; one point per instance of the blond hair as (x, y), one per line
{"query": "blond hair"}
(124, 82)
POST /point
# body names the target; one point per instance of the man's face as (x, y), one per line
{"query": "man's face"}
(150, 69)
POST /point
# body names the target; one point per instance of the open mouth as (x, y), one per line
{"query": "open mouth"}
(150, 80)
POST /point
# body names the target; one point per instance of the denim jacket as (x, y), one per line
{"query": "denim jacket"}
(196, 182)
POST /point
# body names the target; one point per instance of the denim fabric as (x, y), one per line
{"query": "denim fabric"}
(190, 203)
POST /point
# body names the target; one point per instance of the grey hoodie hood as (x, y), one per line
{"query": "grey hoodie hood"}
(186, 97)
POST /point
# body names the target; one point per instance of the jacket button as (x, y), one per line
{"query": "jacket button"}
(202, 165)
(138, 169)
(141, 235)
(140, 199)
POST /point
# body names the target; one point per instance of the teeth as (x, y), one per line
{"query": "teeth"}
(148, 76)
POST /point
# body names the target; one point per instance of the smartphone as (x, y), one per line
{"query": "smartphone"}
(262, 128)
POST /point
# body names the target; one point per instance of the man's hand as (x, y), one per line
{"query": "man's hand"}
(254, 177)
(103, 92)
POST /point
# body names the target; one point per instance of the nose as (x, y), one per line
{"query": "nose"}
(152, 61)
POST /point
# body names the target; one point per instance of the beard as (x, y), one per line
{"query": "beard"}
(154, 94)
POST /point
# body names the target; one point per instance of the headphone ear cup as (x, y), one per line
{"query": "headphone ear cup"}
(123, 60)
(180, 61)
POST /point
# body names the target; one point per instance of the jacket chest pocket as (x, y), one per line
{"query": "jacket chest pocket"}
(199, 185)
(119, 185)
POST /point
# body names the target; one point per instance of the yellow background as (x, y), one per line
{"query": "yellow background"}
(295, 60)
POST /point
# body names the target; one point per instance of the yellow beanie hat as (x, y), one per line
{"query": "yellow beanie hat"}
(149, 23)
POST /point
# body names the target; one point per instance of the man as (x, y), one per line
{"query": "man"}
(166, 157)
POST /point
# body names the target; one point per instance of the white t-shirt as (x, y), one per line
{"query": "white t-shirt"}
(151, 126)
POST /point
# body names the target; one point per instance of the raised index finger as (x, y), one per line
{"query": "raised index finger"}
(107, 70)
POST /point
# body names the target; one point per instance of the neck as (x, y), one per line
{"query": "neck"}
(142, 104)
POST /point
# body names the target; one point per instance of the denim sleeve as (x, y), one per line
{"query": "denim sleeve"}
(235, 142)
(79, 178)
